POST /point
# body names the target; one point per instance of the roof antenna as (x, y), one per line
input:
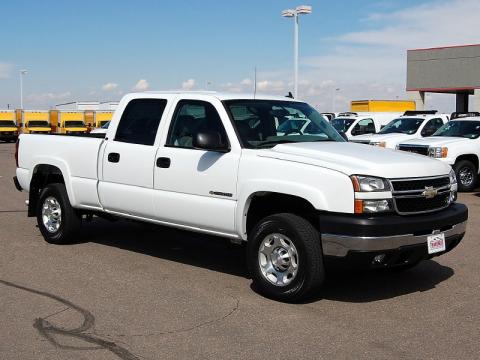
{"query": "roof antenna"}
(289, 95)
(255, 83)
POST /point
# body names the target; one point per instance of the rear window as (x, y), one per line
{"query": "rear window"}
(140, 120)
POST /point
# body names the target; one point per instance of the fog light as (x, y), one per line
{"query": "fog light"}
(377, 260)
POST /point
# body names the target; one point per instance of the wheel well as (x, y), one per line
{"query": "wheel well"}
(42, 176)
(269, 203)
(470, 157)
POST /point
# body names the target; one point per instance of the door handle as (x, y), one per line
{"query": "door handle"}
(163, 162)
(114, 157)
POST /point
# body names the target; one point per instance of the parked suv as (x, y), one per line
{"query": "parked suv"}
(412, 125)
(456, 143)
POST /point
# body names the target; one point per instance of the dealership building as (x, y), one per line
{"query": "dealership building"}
(451, 70)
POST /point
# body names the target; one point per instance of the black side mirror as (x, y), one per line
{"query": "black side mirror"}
(210, 141)
(343, 135)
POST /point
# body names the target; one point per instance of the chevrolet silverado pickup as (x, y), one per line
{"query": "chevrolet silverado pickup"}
(456, 143)
(216, 163)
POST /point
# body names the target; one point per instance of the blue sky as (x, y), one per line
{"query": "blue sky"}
(98, 50)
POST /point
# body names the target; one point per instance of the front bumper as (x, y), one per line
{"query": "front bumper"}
(344, 234)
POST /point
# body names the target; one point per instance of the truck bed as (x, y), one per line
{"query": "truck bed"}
(76, 156)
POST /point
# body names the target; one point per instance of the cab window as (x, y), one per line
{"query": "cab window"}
(364, 126)
(190, 118)
(432, 126)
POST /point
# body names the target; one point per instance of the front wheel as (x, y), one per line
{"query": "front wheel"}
(285, 257)
(466, 174)
(57, 220)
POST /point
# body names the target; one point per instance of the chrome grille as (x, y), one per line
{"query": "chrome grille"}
(420, 195)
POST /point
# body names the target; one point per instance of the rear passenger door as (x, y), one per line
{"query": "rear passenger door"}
(129, 158)
(197, 188)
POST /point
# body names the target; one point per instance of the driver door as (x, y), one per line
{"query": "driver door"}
(197, 188)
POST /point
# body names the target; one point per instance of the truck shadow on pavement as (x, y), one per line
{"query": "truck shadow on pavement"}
(220, 255)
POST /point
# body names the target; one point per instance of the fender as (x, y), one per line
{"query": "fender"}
(62, 166)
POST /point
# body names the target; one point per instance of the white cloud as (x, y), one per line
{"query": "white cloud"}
(48, 96)
(110, 86)
(141, 85)
(5, 70)
(188, 84)
(271, 86)
(246, 82)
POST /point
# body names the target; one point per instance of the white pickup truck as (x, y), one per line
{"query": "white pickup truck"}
(457, 144)
(215, 163)
(412, 125)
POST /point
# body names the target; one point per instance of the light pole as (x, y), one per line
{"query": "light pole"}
(22, 73)
(334, 97)
(294, 13)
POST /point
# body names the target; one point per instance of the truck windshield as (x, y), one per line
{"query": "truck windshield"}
(403, 126)
(342, 124)
(266, 123)
(466, 129)
(7, 123)
(38, 123)
(74, 124)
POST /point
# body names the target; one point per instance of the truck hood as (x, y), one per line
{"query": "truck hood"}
(394, 138)
(351, 158)
(2, 129)
(436, 141)
(76, 129)
(39, 129)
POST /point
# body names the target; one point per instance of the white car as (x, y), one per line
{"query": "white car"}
(405, 128)
(217, 164)
(457, 144)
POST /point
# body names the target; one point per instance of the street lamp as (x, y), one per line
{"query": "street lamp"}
(294, 13)
(22, 73)
(334, 97)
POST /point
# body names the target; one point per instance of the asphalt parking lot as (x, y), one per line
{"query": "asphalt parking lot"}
(134, 291)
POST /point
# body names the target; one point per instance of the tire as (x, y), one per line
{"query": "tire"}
(304, 259)
(58, 222)
(467, 176)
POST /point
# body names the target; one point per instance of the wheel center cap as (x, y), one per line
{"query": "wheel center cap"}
(280, 259)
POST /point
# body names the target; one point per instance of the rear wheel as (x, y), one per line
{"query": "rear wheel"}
(57, 220)
(285, 257)
(466, 173)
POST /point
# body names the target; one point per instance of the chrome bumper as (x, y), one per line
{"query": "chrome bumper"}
(339, 245)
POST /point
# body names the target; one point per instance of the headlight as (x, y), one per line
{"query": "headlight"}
(378, 143)
(438, 152)
(373, 206)
(369, 183)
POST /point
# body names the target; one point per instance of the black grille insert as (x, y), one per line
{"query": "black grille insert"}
(420, 184)
(422, 150)
(421, 204)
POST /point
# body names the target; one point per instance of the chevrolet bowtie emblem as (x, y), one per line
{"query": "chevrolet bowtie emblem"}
(430, 192)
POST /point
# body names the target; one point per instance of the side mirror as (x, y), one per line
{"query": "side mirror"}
(210, 141)
(343, 135)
